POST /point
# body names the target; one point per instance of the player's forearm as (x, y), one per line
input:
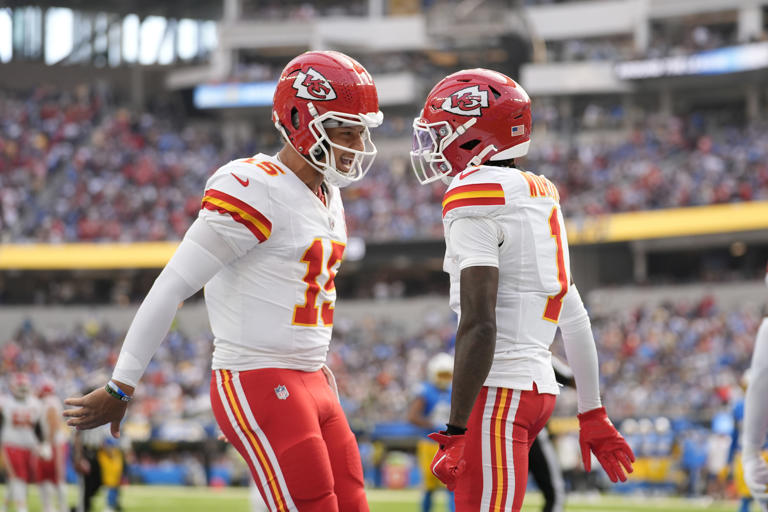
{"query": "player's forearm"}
(580, 350)
(149, 326)
(755, 412)
(416, 414)
(475, 339)
(199, 257)
(475, 345)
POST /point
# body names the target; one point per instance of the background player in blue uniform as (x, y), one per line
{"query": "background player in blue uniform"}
(430, 410)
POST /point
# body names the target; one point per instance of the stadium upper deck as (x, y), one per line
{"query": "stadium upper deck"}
(132, 168)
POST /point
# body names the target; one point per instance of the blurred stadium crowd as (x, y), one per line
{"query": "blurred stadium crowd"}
(82, 167)
(680, 361)
(673, 359)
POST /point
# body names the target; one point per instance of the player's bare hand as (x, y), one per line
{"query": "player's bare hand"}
(95, 409)
(83, 467)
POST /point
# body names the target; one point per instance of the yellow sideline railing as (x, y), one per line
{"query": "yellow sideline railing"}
(619, 227)
(86, 256)
(675, 222)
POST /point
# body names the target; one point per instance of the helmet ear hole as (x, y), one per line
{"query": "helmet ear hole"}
(295, 118)
(470, 144)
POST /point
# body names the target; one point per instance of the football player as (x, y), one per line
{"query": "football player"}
(429, 409)
(508, 262)
(756, 419)
(267, 244)
(51, 472)
(21, 438)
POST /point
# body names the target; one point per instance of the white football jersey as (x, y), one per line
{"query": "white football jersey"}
(273, 306)
(522, 212)
(19, 420)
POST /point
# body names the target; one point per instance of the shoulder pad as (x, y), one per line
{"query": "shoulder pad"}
(476, 191)
(241, 191)
(258, 168)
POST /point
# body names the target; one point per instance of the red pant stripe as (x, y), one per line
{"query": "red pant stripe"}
(260, 454)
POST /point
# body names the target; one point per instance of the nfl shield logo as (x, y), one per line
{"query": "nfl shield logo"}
(281, 392)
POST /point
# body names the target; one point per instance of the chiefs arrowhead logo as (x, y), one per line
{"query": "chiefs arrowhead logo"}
(313, 86)
(466, 102)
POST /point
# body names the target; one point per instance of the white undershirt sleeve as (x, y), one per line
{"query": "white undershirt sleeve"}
(200, 255)
(474, 241)
(755, 410)
(580, 350)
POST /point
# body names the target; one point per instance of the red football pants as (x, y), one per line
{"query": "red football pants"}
(290, 428)
(52, 470)
(501, 429)
(20, 463)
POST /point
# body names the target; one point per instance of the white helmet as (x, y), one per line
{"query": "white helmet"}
(662, 424)
(440, 365)
(629, 426)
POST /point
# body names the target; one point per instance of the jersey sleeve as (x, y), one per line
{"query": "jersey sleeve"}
(474, 241)
(236, 204)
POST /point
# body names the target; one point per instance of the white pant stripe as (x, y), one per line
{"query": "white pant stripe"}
(490, 401)
(513, 406)
(269, 452)
(243, 439)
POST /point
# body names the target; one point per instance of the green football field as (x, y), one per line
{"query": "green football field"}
(200, 499)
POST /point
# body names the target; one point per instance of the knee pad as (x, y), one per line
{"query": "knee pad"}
(350, 487)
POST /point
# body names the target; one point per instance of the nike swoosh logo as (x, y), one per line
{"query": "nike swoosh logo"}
(243, 182)
(464, 174)
(432, 468)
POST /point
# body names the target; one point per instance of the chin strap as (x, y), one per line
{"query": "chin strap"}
(480, 157)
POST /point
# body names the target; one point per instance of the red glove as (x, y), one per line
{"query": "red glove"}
(449, 462)
(597, 433)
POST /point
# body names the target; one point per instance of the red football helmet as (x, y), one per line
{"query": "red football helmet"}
(322, 89)
(469, 118)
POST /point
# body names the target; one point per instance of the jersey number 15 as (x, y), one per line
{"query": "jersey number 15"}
(308, 313)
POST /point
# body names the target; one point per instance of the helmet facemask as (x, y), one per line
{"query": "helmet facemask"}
(429, 141)
(321, 154)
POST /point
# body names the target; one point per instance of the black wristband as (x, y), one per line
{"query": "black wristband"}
(453, 430)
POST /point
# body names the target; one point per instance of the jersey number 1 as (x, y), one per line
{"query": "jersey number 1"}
(307, 314)
(555, 302)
